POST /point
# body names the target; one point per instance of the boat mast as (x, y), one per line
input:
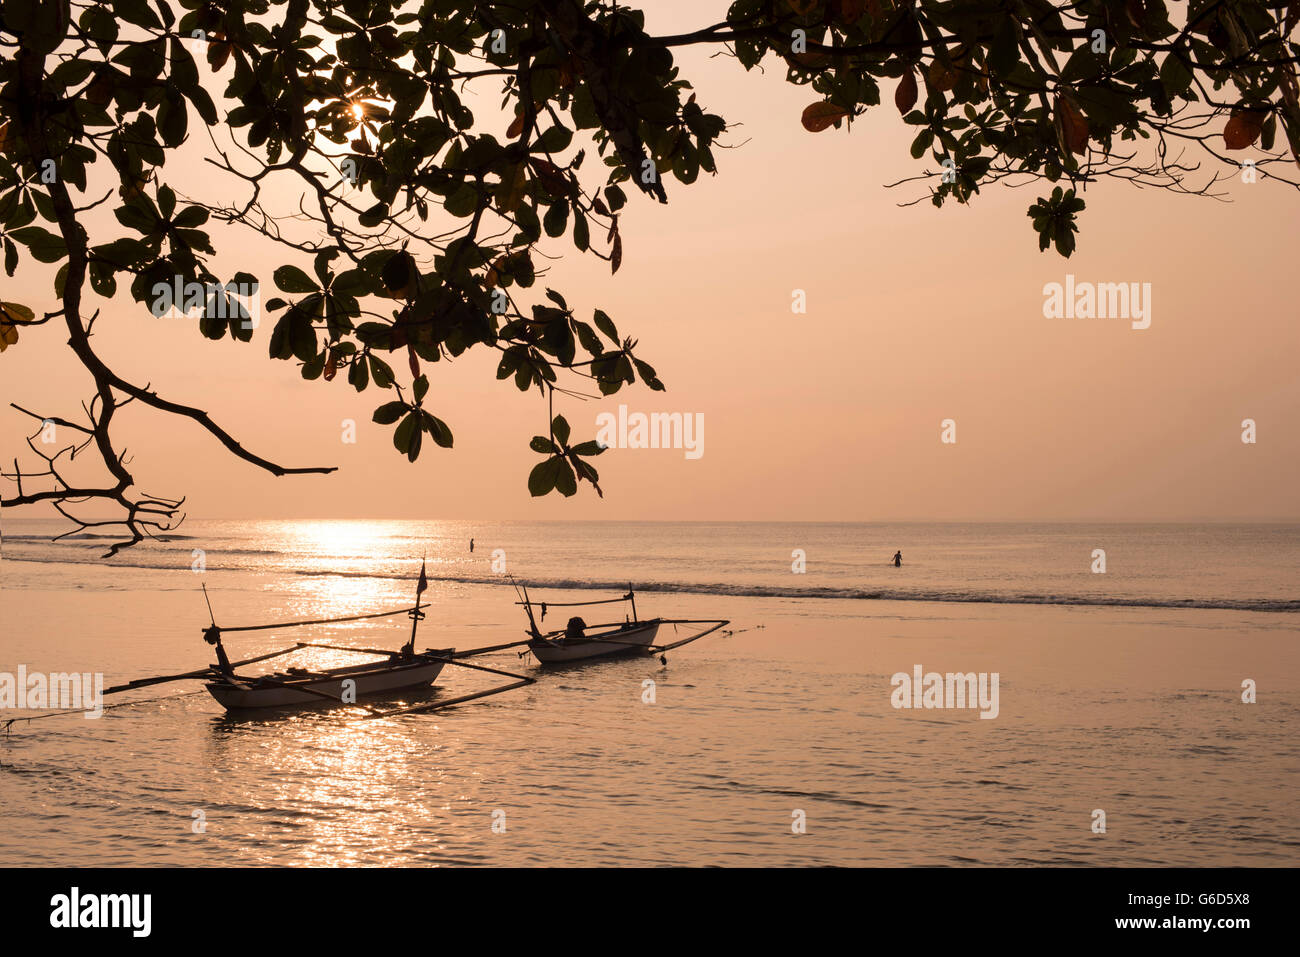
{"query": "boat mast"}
(528, 607)
(415, 613)
(213, 637)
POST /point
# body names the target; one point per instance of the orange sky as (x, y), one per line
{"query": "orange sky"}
(914, 316)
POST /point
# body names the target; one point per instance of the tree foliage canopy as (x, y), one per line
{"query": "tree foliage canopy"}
(419, 224)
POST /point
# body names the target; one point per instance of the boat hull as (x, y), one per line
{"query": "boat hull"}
(632, 639)
(371, 680)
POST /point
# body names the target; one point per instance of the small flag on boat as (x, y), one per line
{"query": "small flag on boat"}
(424, 582)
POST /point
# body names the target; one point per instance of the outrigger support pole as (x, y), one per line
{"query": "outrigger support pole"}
(467, 653)
(446, 659)
(487, 649)
(321, 621)
(208, 672)
(574, 604)
(717, 623)
(439, 705)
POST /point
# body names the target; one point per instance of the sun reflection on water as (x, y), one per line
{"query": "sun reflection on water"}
(347, 567)
(346, 792)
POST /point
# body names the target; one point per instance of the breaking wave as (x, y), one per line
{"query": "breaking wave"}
(160, 561)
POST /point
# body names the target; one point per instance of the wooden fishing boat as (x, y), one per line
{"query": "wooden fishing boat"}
(627, 638)
(298, 687)
(354, 686)
(344, 686)
(579, 641)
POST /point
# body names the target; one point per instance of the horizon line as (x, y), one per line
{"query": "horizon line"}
(740, 521)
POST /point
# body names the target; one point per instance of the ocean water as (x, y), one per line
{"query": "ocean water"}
(774, 744)
(1243, 567)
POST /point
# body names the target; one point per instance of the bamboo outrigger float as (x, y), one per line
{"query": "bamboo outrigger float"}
(632, 636)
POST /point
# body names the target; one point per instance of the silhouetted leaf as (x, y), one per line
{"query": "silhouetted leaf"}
(543, 477)
(390, 412)
(406, 437)
(822, 116)
(293, 279)
(905, 94)
(1243, 128)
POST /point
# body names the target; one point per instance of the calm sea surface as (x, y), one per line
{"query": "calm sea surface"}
(1119, 692)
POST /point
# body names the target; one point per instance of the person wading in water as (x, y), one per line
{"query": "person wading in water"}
(898, 559)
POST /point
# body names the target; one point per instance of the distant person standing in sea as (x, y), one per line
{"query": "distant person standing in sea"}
(471, 546)
(898, 558)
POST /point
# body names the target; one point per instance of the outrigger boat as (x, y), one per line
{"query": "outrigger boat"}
(631, 636)
(405, 668)
(299, 687)
(399, 670)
